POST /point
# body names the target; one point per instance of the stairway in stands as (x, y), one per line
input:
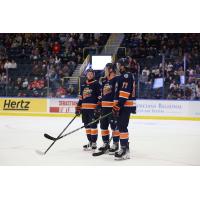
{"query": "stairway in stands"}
(74, 78)
(113, 44)
(110, 48)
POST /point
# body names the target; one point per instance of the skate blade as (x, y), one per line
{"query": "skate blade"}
(87, 149)
(111, 153)
(123, 158)
(90, 149)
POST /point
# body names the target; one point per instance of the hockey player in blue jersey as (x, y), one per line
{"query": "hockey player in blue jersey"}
(125, 104)
(88, 98)
(108, 86)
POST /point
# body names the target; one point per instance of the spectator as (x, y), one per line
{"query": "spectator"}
(198, 90)
(3, 78)
(61, 92)
(71, 90)
(146, 71)
(56, 48)
(7, 64)
(35, 54)
(198, 69)
(2, 69)
(65, 71)
(192, 87)
(18, 84)
(36, 71)
(25, 83)
(36, 84)
(13, 64)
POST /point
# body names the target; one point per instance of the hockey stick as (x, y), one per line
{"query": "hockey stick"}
(58, 138)
(47, 136)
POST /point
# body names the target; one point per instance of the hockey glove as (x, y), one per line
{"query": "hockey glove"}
(133, 110)
(115, 111)
(78, 110)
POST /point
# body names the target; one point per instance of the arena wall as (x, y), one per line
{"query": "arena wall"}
(146, 109)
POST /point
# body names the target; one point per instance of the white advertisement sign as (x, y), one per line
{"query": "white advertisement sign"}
(62, 105)
(168, 108)
(144, 107)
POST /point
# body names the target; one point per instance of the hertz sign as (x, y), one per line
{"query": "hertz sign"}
(16, 105)
(23, 105)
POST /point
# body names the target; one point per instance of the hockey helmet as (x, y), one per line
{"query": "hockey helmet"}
(90, 70)
(111, 66)
(124, 62)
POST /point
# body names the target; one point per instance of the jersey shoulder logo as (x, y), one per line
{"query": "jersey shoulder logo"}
(125, 75)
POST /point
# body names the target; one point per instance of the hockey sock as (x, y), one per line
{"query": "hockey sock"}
(94, 134)
(88, 133)
(124, 139)
(105, 135)
(116, 135)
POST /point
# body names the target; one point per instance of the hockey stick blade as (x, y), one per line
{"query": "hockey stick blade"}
(105, 150)
(49, 137)
(100, 152)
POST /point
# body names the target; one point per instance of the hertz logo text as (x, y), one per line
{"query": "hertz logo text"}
(16, 105)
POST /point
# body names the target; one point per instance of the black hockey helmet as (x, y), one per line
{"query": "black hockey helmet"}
(111, 66)
(124, 62)
(90, 70)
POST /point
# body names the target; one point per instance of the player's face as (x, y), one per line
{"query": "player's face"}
(106, 71)
(120, 68)
(90, 75)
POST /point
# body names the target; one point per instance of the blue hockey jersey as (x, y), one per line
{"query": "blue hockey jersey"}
(89, 95)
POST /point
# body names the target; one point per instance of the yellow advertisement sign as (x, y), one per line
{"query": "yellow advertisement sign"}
(27, 105)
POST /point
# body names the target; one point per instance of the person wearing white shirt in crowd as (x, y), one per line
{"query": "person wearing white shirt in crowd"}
(10, 65)
(25, 83)
(7, 64)
(146, 71)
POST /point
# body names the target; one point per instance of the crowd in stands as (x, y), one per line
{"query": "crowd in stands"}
(37, 63)
(146, 52)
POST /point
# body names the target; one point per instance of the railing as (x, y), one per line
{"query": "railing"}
(121, 51)
(85, 64)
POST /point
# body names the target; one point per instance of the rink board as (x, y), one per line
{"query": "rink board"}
(72, 115)
(146, 109)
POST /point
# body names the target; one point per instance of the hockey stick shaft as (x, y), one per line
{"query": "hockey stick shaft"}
(47, 135)
(60, 134)
(93, 122)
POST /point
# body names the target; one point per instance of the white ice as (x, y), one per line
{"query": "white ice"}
(151, 143)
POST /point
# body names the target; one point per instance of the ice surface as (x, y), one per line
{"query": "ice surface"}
(152, 142)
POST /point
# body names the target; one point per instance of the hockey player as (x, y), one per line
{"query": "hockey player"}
(125, 104)
(88, 98)
(107, 101)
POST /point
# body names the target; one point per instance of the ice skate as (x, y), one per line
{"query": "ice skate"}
(87, 147)
(114, 148)
(123, 153)
(102, 150)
